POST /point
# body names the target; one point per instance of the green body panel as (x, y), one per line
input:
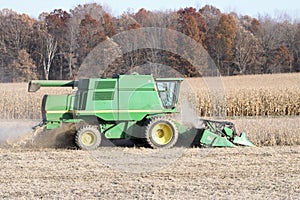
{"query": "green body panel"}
(122, 130)
(115, 131)
(243, 140)
(53, 124)
(55, 83)
(228, 132)
(56, 109)
(222, 142)
(211, 139)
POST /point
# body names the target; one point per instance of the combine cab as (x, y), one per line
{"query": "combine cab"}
(128, 107)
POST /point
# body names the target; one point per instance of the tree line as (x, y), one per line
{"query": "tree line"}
(55, 45)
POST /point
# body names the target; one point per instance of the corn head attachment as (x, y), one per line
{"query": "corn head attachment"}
(219, 134)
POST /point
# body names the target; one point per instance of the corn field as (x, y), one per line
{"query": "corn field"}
(17, 103)
(240, 96)
(246, 96)
(264, 131)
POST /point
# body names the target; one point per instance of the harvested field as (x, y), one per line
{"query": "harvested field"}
(261, 131)
(223, 173)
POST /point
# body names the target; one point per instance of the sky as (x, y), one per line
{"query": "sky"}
(245, 7)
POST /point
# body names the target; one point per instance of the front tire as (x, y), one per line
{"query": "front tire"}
(161, 133)
(88, 137)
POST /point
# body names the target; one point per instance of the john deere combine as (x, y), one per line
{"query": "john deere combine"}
(128, 107)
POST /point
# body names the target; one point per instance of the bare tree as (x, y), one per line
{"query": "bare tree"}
(72, 44)
(15, 30)
(247, 52)
(276, 34)
(48, 54)
(297, 49)
(94, 10)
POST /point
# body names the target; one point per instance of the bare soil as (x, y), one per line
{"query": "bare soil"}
(142, 173)
(49, 168)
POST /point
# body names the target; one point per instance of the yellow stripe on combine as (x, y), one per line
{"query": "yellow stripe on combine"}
(97, 111)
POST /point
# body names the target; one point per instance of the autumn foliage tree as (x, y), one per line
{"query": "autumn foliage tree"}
(248, 52)
(15, 31)
(23, 68)
(281, 60)
(222, 45)
(55, 45)
(192, 24)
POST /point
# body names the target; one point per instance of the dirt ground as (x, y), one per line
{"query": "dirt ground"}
(142, 173)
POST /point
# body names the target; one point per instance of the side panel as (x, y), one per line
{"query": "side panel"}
(129, 97)
(102, 99)
(138, 97)
(56, 108)
(123, 130)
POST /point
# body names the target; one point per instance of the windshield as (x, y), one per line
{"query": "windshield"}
(168, 93)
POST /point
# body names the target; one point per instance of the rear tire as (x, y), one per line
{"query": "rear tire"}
(88, 137)
(161, 133)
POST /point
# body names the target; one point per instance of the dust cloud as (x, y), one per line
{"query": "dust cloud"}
(188, 114)
(12, 129)
(17, 133)
(188, 107)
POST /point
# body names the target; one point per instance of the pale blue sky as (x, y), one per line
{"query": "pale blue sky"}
(246, 7)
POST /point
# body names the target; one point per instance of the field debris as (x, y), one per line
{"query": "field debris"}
(42, 138)
(259, 173)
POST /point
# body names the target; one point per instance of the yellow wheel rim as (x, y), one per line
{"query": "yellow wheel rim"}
(88, 138)
(162, 133)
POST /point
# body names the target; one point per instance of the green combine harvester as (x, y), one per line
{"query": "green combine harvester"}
(129, 107)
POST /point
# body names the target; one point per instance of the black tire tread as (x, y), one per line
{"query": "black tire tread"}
(81, 130)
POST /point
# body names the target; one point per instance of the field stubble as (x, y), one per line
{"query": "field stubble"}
(227, 173)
